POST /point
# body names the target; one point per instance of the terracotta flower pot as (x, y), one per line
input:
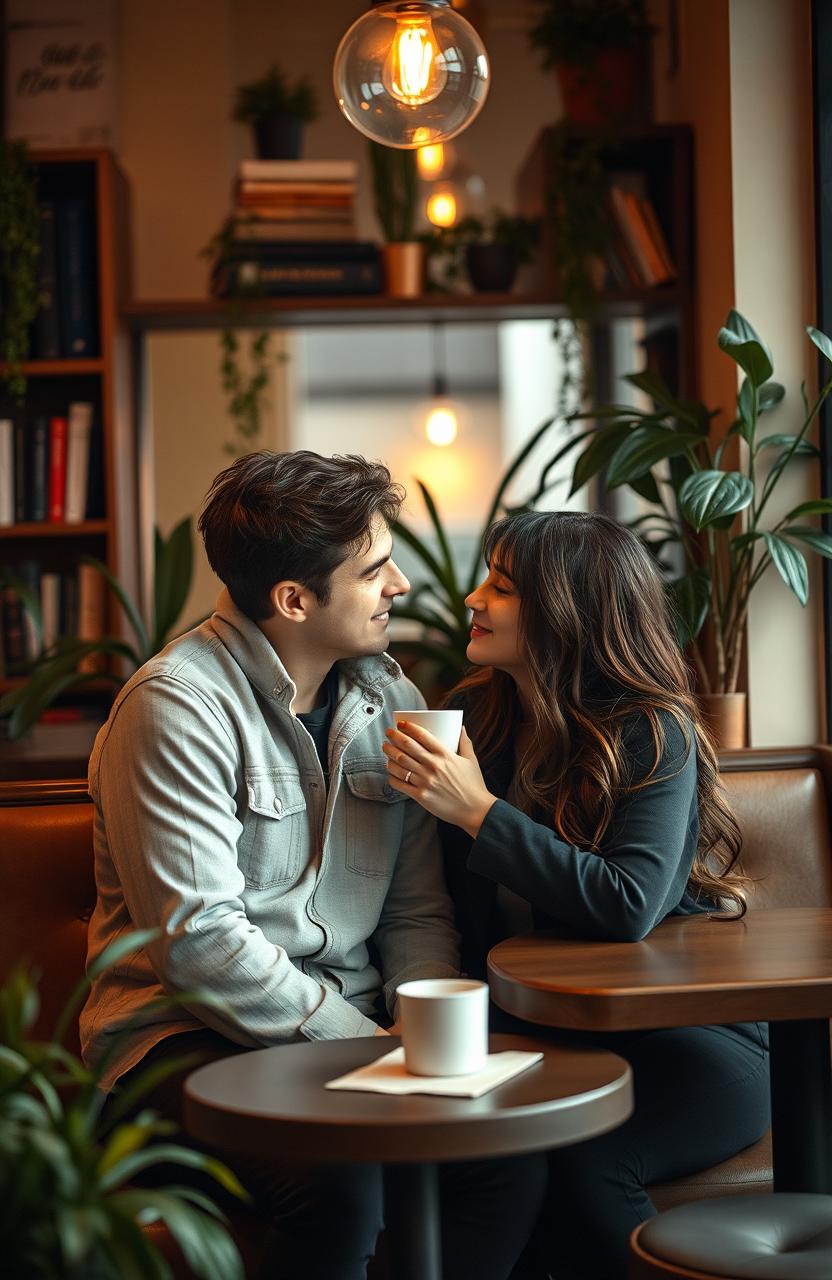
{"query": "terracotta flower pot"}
(404, 269)
(725, 715)
(615, 87)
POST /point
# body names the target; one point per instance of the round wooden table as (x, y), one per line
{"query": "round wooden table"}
(773, 965)
(275, 1100)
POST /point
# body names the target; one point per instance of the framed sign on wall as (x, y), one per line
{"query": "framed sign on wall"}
(60, 72)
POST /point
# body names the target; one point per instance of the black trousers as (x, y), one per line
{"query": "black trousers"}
(324, 1220)
(701, 1096)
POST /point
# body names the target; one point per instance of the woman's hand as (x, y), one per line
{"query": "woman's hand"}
(449, 786)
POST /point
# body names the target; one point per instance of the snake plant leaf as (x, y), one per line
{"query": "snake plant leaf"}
(598, 453)
(129, 1250)
(739, 340)
(790, 564)
(139, 629)
(643, 448)
(821, 341)
(690, 598)
(173, 570)
(709, 496)
(517, 463)
(817, 507)
(423, 551)
(811, 537)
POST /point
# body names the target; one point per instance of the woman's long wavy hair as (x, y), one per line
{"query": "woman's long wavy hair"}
(596, 636)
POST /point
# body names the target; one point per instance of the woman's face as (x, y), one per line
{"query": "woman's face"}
(495, 625)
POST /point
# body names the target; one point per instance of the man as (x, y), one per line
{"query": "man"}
(243, 809)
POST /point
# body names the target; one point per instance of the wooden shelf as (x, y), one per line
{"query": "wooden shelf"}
(212, 313)
(57, 368)
(46, 529)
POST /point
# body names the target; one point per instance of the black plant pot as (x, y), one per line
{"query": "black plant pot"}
(278, 137)
(491, 267)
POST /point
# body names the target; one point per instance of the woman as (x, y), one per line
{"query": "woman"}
(586, 800)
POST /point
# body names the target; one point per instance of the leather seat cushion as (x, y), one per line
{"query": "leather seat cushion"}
(747, 1172)
(787, 1236)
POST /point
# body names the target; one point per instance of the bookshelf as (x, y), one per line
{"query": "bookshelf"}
(88, 180)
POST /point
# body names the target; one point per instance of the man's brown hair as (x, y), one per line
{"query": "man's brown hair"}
(275, 516)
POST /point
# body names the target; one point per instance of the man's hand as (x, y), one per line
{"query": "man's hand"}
(449, 786)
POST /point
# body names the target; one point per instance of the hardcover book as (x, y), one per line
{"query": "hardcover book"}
(77, 277)
(57, 468)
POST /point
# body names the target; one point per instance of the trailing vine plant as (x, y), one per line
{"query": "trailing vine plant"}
(19, 257)
(244, 368)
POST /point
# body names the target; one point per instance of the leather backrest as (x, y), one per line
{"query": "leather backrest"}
(784, 813)
(47, 891)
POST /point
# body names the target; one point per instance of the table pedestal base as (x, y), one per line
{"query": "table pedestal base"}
(801, 1105)
(411, 1214)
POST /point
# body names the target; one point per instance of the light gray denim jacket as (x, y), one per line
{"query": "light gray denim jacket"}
(213, 823)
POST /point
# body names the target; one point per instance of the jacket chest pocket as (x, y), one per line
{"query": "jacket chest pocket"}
(375, 819)
(271, 846)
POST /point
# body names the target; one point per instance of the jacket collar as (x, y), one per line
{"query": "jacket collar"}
(262, 666)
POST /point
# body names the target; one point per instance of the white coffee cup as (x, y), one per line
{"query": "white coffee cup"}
(444, 725)
(444, 1025)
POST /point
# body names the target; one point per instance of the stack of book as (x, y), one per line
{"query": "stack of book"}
(639, 255)
(51, 469)
(66, 324)
(72, 602)
(294, 232)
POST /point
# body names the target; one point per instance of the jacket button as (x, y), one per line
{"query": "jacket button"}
(369, 710)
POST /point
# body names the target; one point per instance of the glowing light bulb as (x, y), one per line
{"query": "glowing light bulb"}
(411, 72)
(430, 161)
(441, 426)
(441, 209)
(414, 70)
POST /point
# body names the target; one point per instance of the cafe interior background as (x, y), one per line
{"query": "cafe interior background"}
(737, 72)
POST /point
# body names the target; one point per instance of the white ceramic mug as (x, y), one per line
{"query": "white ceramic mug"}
(444, 725)
(444, 1025)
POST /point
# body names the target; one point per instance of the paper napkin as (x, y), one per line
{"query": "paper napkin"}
(388, 1075)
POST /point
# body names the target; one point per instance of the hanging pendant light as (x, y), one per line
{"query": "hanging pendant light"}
(441, 424)
(411, 73)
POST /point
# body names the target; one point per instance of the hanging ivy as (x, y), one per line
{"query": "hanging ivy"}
(245, 388)
(19, 257)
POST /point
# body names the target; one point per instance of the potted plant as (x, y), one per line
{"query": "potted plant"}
(63, 666)
(68, 1207)
(19, 258)
(493, 248)
(668, 455)
(395, 198)
(277, 112)
(600, 51)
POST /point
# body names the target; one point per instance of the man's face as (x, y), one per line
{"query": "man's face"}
(354, 621)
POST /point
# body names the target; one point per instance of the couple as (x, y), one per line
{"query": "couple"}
(259, 801)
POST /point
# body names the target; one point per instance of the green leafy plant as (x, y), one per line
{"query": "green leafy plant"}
(669, 457)
(574, 31)
(438, 603)
(58, 669)
(272, 95)
(446, 246)
(68, 1210)
(395, 191)
(19, 257)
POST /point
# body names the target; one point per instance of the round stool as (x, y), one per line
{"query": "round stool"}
(781, 1236)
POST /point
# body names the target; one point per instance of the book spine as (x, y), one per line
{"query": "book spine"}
(57, 468)
(96, 507)
(29, 573)
(275, 279)
(298, 171)
(77, 461)
(69, 603)
(50, 608)
(21, 472)
(630, 235)
(14, 644)
(654, 228)
(47, 320)
(39, 468)
(6, 472)
(91, 604)
(76, 277)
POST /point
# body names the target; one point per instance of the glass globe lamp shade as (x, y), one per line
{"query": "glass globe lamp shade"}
(411, 73)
